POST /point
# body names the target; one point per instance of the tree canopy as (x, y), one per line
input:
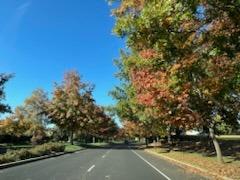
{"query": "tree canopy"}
(3, 79)
(183, 60)
(73, 108)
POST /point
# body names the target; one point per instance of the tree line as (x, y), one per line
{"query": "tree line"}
(181, 69)
(71, 111)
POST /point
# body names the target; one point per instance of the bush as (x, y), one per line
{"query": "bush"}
(8, 157)
(23, 154)
(38, 137)
(36, 151)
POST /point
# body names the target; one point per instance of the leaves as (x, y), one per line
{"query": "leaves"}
(73, 108)
(182, 55)
(3, 79)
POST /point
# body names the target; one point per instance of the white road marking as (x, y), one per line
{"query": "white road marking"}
(91, 168)
(107, 177)
(160, 172)
(106, 153)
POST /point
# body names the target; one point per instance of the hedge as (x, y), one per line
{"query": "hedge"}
(40, 150)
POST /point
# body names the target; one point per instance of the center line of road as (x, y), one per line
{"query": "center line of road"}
(106, 153)
(91, 168)
(160, 172)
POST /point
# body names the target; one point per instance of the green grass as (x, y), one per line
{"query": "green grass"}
(229, 137)
(230, 168)
(94, 145)
(117, 142)
(102, 144)
(72, 148)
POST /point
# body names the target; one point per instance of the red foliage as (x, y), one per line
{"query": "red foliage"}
(148, 54)
(153, 91)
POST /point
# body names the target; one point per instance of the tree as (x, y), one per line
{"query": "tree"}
(34, 107)
(184, 60)
(3, 79)
(18, 125)
(127, 106)
(29, 119)
(9, 126)
(68, 108)
(104, 125)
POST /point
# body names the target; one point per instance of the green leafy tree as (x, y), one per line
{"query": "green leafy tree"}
(3, 79)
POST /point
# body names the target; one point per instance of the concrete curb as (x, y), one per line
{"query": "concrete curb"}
(25, 161)
(188, 165)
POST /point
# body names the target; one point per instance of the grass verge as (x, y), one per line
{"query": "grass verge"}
(229, 137)
(72, 148)
(95, 145)
(210, 164)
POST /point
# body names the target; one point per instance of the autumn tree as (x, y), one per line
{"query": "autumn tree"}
(35, 106)
(100, 124)
(68, 108)
(184, 60)
(9, 126)
(105, 125)
(127, 107)
(30, 118)
(19, 125)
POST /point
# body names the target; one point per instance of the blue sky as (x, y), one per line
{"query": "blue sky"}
(40, 40)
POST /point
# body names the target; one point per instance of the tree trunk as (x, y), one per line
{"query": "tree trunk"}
(216, 145)
(146, 141)
(178, 134)
(169, 139)
(94, 139)
(71, 137)
(155, 141)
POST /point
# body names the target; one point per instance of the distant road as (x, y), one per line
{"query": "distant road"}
(116, 163)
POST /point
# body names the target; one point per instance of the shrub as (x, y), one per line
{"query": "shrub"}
(36, 151)
(8, 157)
(23, 154)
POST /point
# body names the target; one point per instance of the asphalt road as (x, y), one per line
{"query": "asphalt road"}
(115, 163)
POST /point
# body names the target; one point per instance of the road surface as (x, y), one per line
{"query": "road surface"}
(115, 163)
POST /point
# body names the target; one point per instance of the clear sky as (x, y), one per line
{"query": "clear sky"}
(42, 39)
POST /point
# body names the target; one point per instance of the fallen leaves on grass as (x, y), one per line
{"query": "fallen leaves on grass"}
(230, 170)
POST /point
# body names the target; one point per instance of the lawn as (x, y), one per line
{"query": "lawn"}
(72, 148)
(102, 144)
(94, 145)
(201, 153)
(229, 137)
(228, 169)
